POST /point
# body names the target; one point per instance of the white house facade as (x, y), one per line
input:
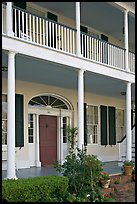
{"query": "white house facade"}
(67, 64)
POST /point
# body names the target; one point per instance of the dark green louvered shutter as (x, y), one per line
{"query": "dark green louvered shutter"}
(103, 112)
(19, 120)
(52, 37)
(85, 125)
(112, 125)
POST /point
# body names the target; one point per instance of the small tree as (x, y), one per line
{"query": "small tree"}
(83, 170)
(72, 135)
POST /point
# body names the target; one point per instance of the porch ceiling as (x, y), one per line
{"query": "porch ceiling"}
(102, 16)
(44, 72)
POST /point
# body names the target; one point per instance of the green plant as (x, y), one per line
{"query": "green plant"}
(38, 189)
(83, 172)
(117, 181)
(128, 163)
(104, 176)
(72, 135)
(102, 197)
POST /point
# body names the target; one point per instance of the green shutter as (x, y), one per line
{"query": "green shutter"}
(19, 120)
(85, 125)
(52, 16)
(112, 125)
(103, 112)
(20, 4)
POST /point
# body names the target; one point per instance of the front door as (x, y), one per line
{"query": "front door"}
(47, 139)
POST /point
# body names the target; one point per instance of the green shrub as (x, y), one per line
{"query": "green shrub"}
(38, 189)
(83, 172)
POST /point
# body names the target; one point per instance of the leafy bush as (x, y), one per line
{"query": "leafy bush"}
(128, 163)
(83, 172)
(38, 189)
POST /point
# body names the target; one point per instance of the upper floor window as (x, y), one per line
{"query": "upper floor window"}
(92, 124)
(4, 119)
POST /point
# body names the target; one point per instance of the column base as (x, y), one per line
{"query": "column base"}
(38, 164)
(9, 178)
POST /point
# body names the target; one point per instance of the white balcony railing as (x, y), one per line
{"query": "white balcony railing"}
(102, 51)
(43, 31)
(30, 27)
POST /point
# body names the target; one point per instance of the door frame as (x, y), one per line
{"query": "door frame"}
(60, 113)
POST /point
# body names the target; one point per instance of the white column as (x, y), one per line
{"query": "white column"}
(11, 173)
(9, 22)
(38, 163)
(128, 122)
(61, 139)
(80, 108)
(78, 47)
(126, 39)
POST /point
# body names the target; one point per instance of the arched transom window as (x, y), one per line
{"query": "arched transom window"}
(49, 101)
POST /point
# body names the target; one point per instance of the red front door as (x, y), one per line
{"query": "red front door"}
(47, 139)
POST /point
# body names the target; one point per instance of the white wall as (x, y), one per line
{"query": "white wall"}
(30, 90)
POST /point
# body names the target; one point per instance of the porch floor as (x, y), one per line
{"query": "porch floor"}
(111, 167)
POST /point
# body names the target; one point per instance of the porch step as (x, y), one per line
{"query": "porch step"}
(122, 191)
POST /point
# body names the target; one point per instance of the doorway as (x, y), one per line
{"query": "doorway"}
(47, 139)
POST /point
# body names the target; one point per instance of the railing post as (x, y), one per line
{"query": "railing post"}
(9, 22)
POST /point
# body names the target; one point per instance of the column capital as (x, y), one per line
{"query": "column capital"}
(82, 70)
(12, 52)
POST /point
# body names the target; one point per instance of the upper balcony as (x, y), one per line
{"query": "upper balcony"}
(35, 28)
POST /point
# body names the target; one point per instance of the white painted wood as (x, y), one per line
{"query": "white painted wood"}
(128, 122)
(80, 108)
(26, 16)
(32, 50)
(78, 49)
(70, 41)
(37, 31)
(82, 36)
(59, 36)
(62, 37)
(40, 33)
(126, 39)
(65, 39)
(56, 36)
(32, 146)
(47, 37)
(11, 173)
(33, 30)
(52, 24)
(30, 33)
(43, 24)
(9, 22)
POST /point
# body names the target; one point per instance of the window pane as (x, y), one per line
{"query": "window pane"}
(30, 139)
(4, 110)
(30, 128)
(64, 139)
(30, 131)
(92, 122)
(4, 138)
(4, 126)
